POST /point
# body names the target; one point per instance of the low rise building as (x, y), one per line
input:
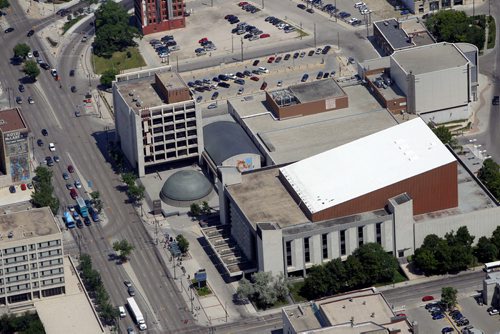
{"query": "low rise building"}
(15, 167)
(356, 312)
(157, 120)
(426, 6)
(31, 257)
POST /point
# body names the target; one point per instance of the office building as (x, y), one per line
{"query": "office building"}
(31, 257)
(159, 15)
(157, 120)
(426, 6)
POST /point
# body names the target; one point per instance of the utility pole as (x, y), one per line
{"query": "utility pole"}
(473, 8)
(315, 42)
(211, 3)
(334, 11)
(241, 49)
(191, 297)
(338, 40)
(262, 4)
(232, 43)
(177, 60)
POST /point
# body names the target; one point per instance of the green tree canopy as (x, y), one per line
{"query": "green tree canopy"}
(31, 69)
(449, 297)
(4, 4)
(124, 247)
(128, 178)
(495, 237)
(183, 243)
(113, 31)
(379, 265)
(42, 196)
(489, 174)
(108, 77)
(263, 289)
(455, 26)
(485, 250)
(136, 193)
(444, 134)
(21, 50)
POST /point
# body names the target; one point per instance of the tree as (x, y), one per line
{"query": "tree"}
(109, 313)
(489, 174)
(485, 250)
(377, 264)
(463, 237)
(356, 276)
(95, 195)
(128, 178)
(195, 209)
(124, 247)
(205, 207)
(21, 50)
(316, 283)
(4, 4)
(113, 31)
(183, 243)
(444, 134)
(42, 196)
(495, 237)
(424, 260)
(449, 297)
(245, 289)
(108, 77)
(136, 193)
(31, 69)
(264, 294)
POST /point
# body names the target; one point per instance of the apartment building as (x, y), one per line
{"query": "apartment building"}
(31, 257)
(157, 120)
(159, 15)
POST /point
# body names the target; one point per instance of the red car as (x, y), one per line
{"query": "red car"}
(427, 298)
(265, 35)
(204, 39)
(71, 169)
(23, 186)
(254, 78)
(400, 315)
(73, 193)
(270, 60)
(243, 3)
(264, 86)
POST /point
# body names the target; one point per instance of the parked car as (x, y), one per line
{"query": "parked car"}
(12, 189)
(265, 36)
(301, 6)
(305, 77)
(254, 78)
(263, 86)
(256, 62)
(320, 75)
(131, 290)
(310, 53)
(438, 316)
(215, 95)
(39, 142)
(427, 298)
(212, 106)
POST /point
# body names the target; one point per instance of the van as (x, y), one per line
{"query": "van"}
(122, 311)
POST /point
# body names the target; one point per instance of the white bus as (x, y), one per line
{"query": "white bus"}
(491, 266)
(136, 314)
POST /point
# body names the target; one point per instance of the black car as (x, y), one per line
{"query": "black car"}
(21, 88)
(73, 89)
(310, 10)
(240, 75)
(87, 221)
(247, 73)
(215, 79)
(215, 95)
(39, 142)
(287, 56)
(278, 59)
(320, 75)
(36, 53)
(326, 49)
(301, 6)
(30, 33)
(50, 161)
(45, 132)
(198, 83)
(295, 55)
(72, 73)
(12, 189)
(45, 66)
(304, 78)
(310, 53)
(79, 223)
(248, 36)
(256, 62)
(9, 30)
(223, 77)
(224, 84)
(19, 99)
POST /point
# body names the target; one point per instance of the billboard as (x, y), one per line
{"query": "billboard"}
(20, 168)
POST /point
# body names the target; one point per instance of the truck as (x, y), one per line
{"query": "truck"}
(136, 313)
(82, 207)
(68, 219)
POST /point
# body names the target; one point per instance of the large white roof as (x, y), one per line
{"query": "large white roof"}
(367, 164)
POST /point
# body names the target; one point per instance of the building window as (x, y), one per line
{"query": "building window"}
(378, 233)
(324, 245)
(360, 236)
(342, 243)
(288, 246)
(307, 252)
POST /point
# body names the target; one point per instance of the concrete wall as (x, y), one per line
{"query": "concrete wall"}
(270, 250)
(480, 223)
(403, 227)
(442, 89)
(126, 128)
(448, 115)
(399, 76)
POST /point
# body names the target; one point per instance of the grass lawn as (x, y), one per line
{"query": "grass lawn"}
(119, 60)
(295, 292)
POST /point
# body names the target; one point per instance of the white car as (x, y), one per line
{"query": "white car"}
(263, 69)
(53, 72)
(30, 55)
(493, 312)
(359, 4)
(52, 147)
(30, 100)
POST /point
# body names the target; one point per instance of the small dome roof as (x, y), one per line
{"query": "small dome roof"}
(185, 186)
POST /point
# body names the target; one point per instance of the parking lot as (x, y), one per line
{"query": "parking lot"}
(210, 23)
(476, 315)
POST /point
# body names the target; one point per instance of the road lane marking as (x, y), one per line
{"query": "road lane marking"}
(41, 92)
